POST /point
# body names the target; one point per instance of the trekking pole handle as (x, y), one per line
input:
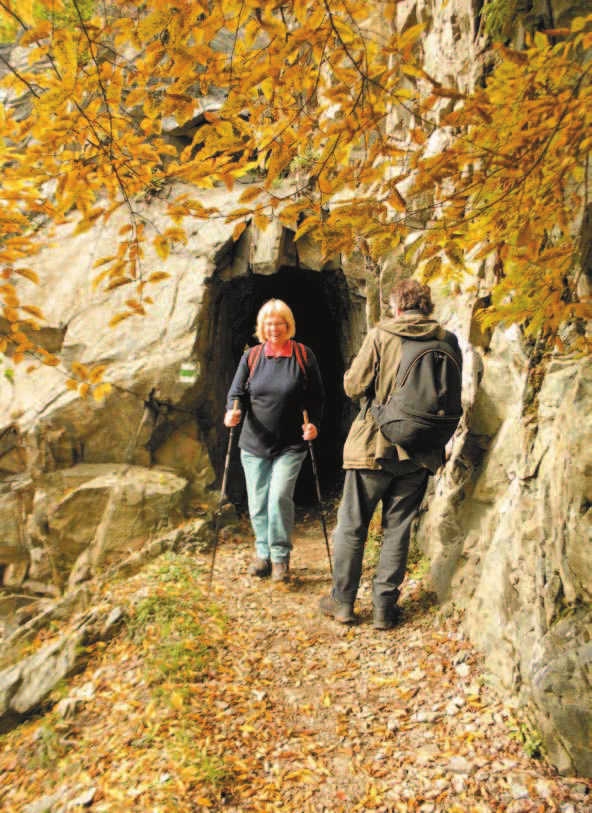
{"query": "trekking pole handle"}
(306, 420)
(236, 407)
(228, 452)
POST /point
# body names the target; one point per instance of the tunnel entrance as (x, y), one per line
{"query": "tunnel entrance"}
(319, 301)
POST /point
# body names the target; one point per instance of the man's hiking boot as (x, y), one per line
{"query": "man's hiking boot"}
(344, 613)
(386, 619)
(280, 571)
(260, 567)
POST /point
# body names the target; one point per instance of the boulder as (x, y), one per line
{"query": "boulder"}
(115, 511)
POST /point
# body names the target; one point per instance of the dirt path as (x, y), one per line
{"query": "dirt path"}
(247, 699)
(403, 720)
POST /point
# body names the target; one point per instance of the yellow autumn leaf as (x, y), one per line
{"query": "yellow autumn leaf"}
(177, 700)
(11, 300)
(80, 370)
(119, 317)
(578, 24)
(250, 193)
(432, 268)
(33, 310)
(101, 391)
(158, 276)
(238, 230)
(118, 282)
(65, 53)
(96, 374)
(309, 224)
(418, 135)
(161, 245)
(28, 273)
(411, 70)
(397, 201)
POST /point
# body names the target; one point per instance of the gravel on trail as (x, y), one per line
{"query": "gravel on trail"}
(400, 720)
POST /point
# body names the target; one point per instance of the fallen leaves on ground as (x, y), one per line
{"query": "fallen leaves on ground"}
(247, 699)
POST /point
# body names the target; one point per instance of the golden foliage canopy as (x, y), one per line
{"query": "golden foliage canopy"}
(300, 85)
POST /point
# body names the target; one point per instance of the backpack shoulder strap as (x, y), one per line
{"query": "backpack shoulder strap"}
(299, 352)
(301, 356)
(253, 357)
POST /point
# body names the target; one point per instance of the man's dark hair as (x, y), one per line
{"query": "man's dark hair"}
(411, 295)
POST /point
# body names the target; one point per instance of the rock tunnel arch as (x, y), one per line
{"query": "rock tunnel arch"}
(326, 313)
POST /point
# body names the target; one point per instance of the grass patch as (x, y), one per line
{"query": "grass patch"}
(171, 620)
(180, 633)
(47, 748)
(529, 737)
(418, 565)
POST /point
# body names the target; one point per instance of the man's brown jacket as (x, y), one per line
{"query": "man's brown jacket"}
(373, 374)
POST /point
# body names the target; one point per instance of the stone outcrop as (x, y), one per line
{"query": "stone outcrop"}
(87, 481)
(508, 533)
(508, 524)
(25, 686)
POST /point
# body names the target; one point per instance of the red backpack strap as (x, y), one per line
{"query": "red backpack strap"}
(299, 352)
(253, 357)
(301, 356)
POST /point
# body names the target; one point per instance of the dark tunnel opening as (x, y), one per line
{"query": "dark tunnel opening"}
(319, 303)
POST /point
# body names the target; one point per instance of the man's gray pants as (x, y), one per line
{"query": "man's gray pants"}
(401, 490)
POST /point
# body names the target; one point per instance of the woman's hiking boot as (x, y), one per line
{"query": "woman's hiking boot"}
(260, 568)
(280, 571)
(344, 613)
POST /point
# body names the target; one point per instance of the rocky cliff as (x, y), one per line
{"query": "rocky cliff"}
(508, 526)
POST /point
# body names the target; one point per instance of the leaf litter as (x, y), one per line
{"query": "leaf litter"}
(248, 699)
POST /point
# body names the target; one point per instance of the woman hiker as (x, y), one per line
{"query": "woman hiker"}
(274, 383)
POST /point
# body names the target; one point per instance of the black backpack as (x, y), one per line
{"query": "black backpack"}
(425, 408)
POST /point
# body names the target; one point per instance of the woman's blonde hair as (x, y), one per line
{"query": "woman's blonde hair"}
(279, 308)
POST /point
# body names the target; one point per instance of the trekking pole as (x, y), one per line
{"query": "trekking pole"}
(222, 492)
(318, 485)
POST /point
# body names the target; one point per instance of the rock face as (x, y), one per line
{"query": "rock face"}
(508, 525)
(508, 533)
(84, 480)
(83, 483)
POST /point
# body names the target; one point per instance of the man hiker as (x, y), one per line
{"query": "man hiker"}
(378, 469)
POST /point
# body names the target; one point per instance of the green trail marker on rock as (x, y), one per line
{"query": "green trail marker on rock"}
(189, 372)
